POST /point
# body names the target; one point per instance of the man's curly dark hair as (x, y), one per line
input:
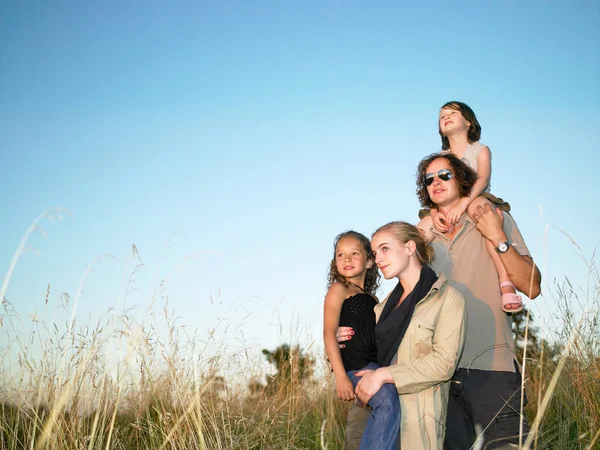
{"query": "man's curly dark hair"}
(465, 177)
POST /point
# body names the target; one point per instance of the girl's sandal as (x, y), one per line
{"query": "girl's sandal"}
(511, 298)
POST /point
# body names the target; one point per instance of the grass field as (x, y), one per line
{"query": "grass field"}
(122, 384)
(74, 395)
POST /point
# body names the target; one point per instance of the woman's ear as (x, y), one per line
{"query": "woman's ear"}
(370, 263)
(411, 247)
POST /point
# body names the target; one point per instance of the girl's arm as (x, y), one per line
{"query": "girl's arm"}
(439, 222)
(331, 319)
(484, 173)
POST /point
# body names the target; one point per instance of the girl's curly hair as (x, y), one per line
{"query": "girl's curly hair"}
(372, 277)
(464, 175)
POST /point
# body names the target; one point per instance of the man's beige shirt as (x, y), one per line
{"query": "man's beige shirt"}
(465, 262)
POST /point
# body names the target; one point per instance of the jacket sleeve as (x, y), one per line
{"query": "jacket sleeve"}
(447, 344)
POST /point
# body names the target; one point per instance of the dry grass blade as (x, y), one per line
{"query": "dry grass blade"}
(142, 379)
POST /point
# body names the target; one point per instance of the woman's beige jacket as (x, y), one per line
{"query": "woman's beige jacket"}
(426, 360)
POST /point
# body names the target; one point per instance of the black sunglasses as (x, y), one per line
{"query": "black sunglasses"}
(443, 174)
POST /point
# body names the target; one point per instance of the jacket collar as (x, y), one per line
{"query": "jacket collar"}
(435, 288)
(438, 285)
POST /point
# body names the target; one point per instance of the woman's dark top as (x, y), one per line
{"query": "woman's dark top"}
(357, 312)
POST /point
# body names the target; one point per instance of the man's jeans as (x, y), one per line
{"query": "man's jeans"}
(383, 427)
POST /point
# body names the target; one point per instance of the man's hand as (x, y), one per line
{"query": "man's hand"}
(368, 386)
(521, 270)
(489, 223)
(344, 388)
(344, 334)
(440, 222)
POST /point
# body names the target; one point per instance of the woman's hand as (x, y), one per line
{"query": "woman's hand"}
(344, 388)
(344, 334)
(371, 382)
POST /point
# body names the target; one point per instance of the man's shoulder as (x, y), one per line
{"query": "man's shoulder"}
(509, 219)
(509, 224)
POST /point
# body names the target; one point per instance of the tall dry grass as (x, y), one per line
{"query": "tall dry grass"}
(121, 383)
(67, 391)
(74, 395)
(564, 375)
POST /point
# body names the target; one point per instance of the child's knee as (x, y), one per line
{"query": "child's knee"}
(479, 201)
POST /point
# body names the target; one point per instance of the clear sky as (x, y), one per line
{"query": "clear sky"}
(230, 141)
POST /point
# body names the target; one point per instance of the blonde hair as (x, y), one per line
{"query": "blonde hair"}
(404, 232)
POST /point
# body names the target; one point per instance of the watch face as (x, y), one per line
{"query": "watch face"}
(502, 247)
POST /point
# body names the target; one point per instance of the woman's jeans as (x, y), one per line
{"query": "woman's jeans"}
(383, 428)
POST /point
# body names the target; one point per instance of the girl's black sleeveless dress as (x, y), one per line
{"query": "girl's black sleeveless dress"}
(357, 312)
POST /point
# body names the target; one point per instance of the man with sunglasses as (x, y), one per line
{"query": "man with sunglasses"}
(485, 394)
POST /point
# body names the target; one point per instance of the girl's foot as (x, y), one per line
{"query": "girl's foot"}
(511, 301)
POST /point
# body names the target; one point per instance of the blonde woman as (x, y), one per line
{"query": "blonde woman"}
(419, 333)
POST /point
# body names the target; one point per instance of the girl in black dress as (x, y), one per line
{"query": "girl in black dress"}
(352, 282)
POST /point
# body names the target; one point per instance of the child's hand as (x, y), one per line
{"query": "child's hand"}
(344, 388)
(439, 221)
(453, 215)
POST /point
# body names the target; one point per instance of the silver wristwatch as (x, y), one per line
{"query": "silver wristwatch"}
(503, 247)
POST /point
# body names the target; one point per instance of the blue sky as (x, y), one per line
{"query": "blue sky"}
(231, 141)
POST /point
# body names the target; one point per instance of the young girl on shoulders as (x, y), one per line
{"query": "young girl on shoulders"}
(352, 283)
(460, 132)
